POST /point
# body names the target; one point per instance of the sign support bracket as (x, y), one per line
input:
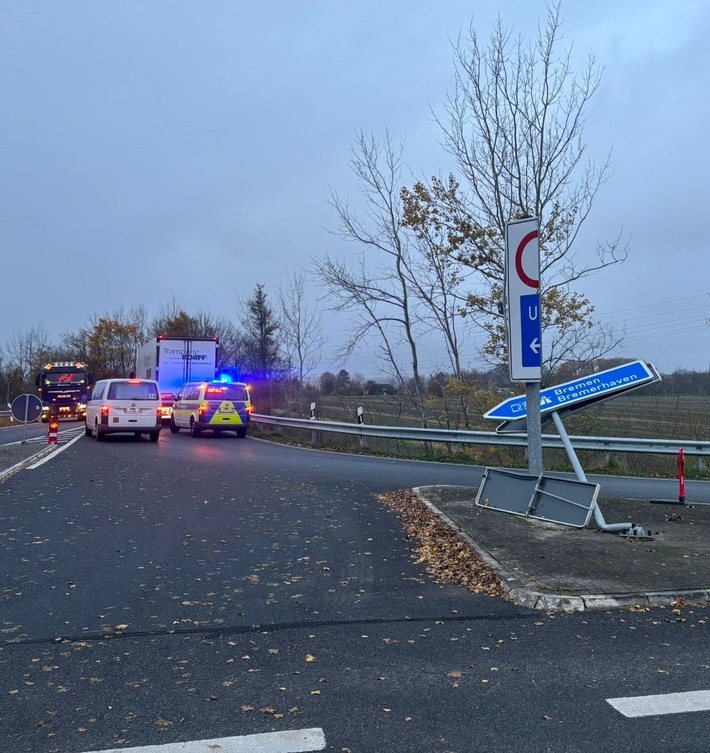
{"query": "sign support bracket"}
(532, 398)
(630, 529)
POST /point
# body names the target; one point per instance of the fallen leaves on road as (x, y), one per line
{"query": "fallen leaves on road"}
(446, 555)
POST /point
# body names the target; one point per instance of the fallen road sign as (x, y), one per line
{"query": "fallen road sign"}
(574, 395)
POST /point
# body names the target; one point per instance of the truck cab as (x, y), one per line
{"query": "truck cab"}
(63, 388)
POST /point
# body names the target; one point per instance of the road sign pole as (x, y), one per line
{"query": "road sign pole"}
(27, 416)
(532, 399)
(26, 408)
(522, 293)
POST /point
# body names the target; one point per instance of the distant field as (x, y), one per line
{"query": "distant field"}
(664, 417)
(643, 416)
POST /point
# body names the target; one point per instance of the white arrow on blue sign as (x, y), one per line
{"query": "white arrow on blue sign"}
(579, 393)
(530, 331)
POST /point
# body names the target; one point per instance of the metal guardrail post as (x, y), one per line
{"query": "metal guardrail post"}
(314, 435)
(361, 422)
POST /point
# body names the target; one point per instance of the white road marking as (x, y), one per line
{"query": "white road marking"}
(656, 705)
(56, 452)
(295, 741)
(42, 438)
(9, 471)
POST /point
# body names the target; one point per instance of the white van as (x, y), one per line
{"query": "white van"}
(124, 406)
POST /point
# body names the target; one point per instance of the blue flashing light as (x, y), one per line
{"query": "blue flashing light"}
(229, 374)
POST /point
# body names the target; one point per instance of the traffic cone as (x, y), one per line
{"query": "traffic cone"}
(53, 429)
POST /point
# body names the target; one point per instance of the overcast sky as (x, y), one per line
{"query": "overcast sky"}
(152, 148)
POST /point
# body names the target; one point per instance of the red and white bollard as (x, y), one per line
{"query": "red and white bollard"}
(681, 476)
(53, 430)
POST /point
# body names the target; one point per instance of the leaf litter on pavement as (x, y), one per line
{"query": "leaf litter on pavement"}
(446, 555)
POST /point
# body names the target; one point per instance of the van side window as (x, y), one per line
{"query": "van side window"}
(98, 392)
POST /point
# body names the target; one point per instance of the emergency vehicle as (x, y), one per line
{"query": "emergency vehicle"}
(215, 405)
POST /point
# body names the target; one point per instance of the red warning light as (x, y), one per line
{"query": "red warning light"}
(53, 430)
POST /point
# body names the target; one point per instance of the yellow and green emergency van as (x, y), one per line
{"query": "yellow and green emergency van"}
(217, 406)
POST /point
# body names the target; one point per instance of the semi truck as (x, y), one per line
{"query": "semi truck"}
(63, 387)
(172, 361)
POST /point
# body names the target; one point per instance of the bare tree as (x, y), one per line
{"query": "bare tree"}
(379, 288)
(300, 326)
(172, 320)
(515, 129)
(108, 342)
(23, 354)
(438, 281)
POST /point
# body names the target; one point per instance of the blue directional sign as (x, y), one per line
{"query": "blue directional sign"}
(530, 330)
(576, 394)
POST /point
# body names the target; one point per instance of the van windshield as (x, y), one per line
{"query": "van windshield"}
(226, 392)
(132, 391)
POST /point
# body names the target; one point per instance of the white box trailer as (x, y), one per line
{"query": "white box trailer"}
(172, 361)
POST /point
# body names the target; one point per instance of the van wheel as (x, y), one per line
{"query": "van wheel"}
(174, 428)
(87, 430)
(99, 436)
(194, 431)
(154, 436)
(242, 432)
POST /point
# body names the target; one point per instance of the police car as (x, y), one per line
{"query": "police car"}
(218, 406)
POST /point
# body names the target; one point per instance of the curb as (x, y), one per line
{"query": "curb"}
(521, 594)
(13, 469)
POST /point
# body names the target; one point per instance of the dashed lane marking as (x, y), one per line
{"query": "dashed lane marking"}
(658, 705)
(294, 741)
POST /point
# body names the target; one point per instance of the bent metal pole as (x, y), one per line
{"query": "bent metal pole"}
(572, 455)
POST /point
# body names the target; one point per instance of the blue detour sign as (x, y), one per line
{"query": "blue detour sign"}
(530, 330)
(575, 394)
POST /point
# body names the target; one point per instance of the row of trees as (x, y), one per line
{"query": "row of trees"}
(269, 341)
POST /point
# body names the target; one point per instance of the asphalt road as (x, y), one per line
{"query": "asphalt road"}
(216, 587)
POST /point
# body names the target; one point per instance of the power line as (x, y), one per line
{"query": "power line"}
(667, 251)
(656, 304)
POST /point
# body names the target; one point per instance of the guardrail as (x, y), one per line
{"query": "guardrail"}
(698, 448)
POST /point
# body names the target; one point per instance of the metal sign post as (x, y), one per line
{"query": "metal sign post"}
(361, 422)
(522, 294)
